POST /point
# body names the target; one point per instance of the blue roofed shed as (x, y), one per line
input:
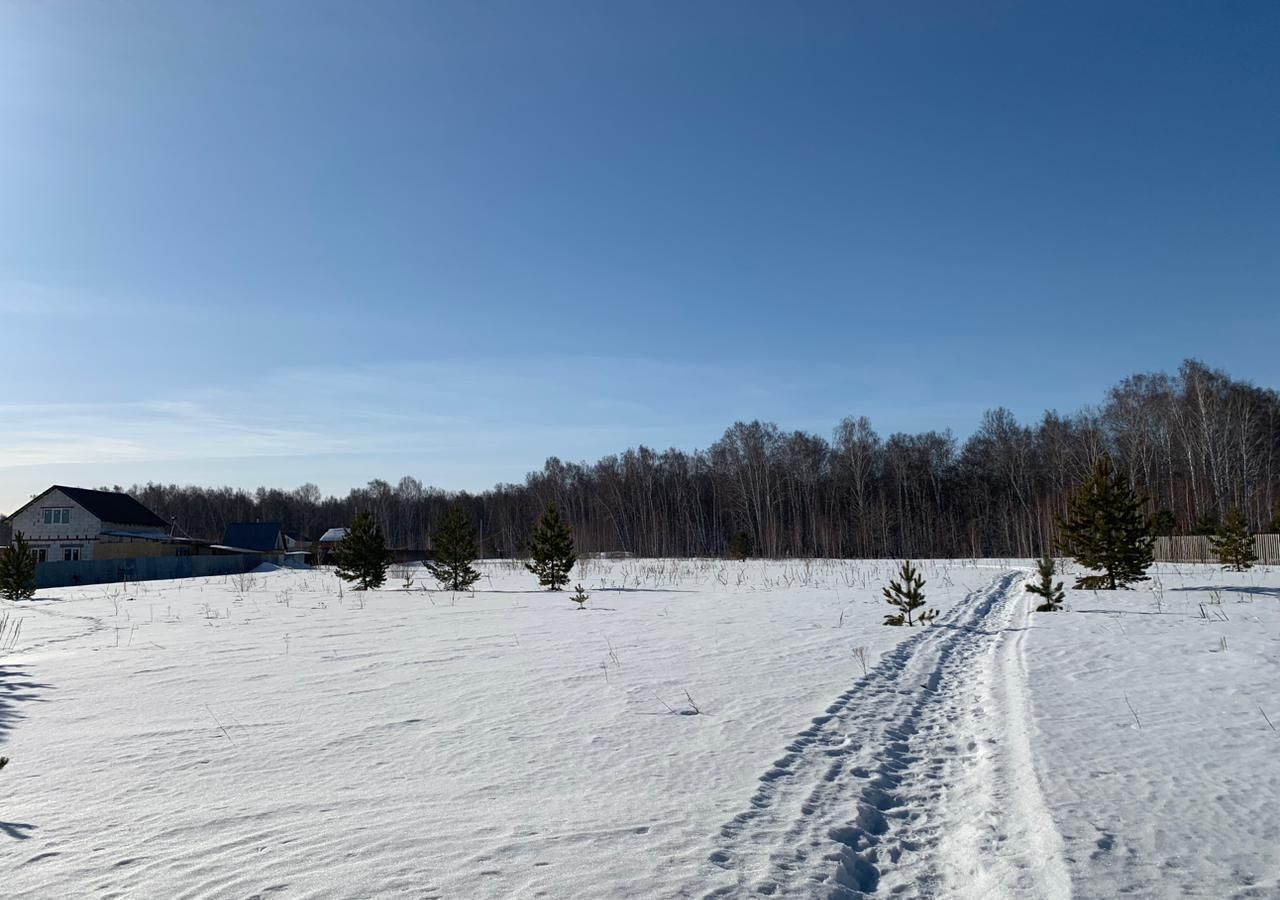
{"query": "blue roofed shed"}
(260, 537)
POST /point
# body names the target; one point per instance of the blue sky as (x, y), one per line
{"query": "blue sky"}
(272, 243)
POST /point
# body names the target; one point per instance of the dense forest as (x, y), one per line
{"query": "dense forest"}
(1198, 443)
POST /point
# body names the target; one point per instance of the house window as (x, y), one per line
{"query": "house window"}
(56, 515)
(40, 554)
(70, 554)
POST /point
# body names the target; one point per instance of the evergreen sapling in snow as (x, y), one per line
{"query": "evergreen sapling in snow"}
(1163, 523)
(907, 596)
(740, 545)
(453, 552)
(1052, 594)
(17, 570)
(581, 597)
(362, 555)
(1234, 544)
(1106, 530)
(1206, 525)
(551, 555)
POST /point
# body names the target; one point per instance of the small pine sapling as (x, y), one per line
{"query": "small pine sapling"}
(17, 570)
(1206, 525)
(362, 555)
(740, 546)
(581, 597)
(1052, 593)
(907, 595)
(1234, 544)
(454, 550)
(1163, 523)
(1106, 530)
(551, 552)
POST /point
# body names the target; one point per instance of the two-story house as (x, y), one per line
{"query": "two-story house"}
(67, 524)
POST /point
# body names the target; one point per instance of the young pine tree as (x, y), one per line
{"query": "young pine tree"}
(453, 551)
(1052, 593)
(740, 545)
(1206, 525)
(17, 570)
(908, 596)
(362, 555)
(1107, 531)
(1163, 523)
(551, 555)
(1234, 544)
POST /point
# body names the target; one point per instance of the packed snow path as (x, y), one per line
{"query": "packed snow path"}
(917, 782)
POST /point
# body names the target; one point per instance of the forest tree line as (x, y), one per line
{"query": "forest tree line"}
(1197, 443)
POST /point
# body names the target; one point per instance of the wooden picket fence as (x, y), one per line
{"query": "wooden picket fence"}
(1196, 548)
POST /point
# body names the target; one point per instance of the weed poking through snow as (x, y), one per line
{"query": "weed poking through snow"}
(691, 710)
(860, 654)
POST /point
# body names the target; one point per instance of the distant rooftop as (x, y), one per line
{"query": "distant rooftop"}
(261, 536)
(109, 506)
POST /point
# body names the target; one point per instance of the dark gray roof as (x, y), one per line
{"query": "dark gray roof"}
(120, 509)
(262, 536)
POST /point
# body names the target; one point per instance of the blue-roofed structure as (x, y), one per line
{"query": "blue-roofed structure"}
(260, 537)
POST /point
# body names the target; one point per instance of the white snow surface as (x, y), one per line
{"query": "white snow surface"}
(701, 729)
(1161, 769)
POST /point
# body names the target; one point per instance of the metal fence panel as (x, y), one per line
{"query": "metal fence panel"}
(151, 568)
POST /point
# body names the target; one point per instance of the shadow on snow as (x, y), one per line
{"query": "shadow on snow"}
(1233, 589)
(16, 687)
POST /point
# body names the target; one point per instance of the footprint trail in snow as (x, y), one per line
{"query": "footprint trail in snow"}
(918, 781)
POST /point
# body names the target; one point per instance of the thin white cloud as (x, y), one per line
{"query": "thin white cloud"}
(76, 433)
(37, 299)
(28, 299)
(485, 420)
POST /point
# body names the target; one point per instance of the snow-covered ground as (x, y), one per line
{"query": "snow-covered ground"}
(1161, 769)
(702, 728)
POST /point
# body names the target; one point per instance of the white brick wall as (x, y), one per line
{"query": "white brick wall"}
(82, 531)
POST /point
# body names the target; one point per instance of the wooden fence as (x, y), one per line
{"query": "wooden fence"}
(1196, 548)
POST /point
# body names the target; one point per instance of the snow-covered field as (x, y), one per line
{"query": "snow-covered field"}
(702, 728)
(1155, 711)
